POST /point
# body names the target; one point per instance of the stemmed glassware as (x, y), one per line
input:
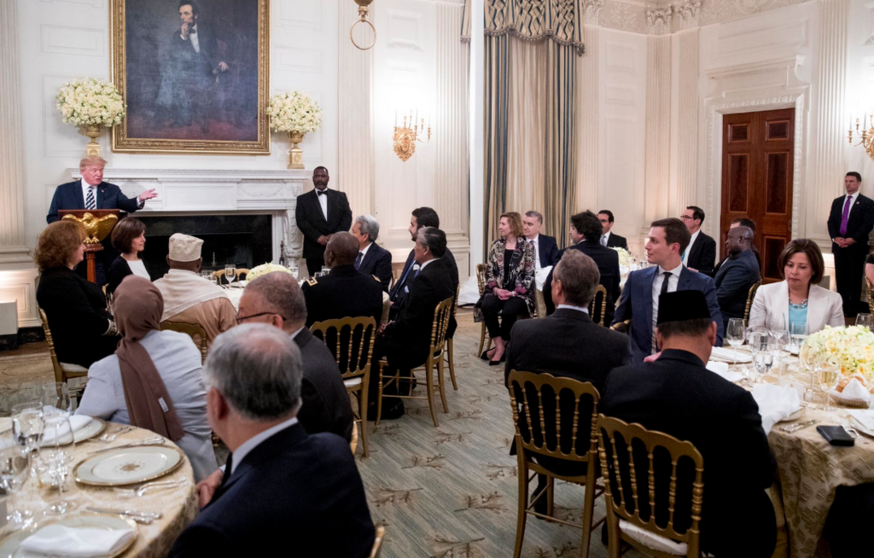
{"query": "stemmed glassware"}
(763, 360)
(829, 377)
(865, 320)
(230, 273)
(779, 333)
(28, 426)
(758, 340)
(14, 467)
(734, 334)
(797, 335)
(58, 406)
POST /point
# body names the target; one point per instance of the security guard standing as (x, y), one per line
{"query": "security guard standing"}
(343, 292)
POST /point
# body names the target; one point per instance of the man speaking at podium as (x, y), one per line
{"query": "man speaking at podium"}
(91, 192)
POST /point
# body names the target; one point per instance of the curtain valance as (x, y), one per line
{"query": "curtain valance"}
(532, 20)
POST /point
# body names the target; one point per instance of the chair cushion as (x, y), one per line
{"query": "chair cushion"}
(73, 367)
(652, 540)
(352, 382)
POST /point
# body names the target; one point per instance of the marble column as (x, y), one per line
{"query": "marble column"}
(12, 232)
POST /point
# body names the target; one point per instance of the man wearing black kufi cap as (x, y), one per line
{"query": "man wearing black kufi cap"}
(677, 395)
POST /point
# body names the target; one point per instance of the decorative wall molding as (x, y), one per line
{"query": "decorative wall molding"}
(404, 30)
(63, 39)
(684, 132)
(782, 64)
(588, 119)
(869, 23)
(591, 13)
(659, 20)
(623, 17)
(658, 128)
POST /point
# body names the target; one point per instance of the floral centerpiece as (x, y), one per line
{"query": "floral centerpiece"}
(851, 348)
(624, 256)
(91, 103)
(264, 269)
(296, 114)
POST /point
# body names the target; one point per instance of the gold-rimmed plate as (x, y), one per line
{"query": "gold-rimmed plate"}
(10, 547)
(90, 430)
(125, 466)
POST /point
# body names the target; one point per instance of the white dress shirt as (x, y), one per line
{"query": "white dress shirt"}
(673, 281)
(689, 248)
(323, 201)
(582, 309)
(536, 241)
(195, 41)
(364, 251)
(253, 442)
(177, 360)
(139, 269)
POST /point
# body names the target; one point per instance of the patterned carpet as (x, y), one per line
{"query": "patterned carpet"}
(447, 492)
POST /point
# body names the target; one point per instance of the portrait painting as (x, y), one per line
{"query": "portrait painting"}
(194, 75)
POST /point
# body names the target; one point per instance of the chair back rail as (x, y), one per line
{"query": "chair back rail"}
(218, 275)
(350, 341)
(598, 307)
(481, 278)
(195, 331)
(61, 375)
(750, 297)
(613, 435)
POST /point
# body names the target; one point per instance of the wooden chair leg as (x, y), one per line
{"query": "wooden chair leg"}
(482, 340)
(614, 544)
(440, 384)
(362, 411)
(521, 515)
(379, 397)
(452, 365)
(588, 512)
(550, 496)
(429, 381)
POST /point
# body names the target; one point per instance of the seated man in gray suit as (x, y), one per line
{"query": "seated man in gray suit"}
(737, 274)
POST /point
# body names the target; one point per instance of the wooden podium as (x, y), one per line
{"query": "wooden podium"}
(97, 223)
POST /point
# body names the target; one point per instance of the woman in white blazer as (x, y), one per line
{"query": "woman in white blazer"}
(797, 297)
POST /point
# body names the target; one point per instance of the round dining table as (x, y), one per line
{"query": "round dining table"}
(177, 505)
(808, 467)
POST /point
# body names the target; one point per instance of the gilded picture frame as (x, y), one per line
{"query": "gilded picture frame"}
(195, 79)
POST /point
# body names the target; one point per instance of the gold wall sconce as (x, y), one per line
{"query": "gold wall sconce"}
(865, 134)
(406, 136)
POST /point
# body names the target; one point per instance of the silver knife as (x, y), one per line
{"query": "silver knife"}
(156, 441)
(132, 513)
(800, 426)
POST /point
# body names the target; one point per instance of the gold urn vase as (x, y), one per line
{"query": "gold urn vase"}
(295, 155)
(93, 148)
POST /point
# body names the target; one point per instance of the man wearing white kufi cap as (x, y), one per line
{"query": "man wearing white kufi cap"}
(189, 298)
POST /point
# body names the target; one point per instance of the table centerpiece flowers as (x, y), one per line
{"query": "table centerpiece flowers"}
(851, 348)
(264, 269)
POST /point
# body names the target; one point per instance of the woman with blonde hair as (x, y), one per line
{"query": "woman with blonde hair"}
(82, 329)
(508, 293)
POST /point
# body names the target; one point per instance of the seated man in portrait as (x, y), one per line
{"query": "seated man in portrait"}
(737, 274)
(677, 395)
(344, 291)
(372, 259)
(188, 297)
(276, 299)
(282, 487)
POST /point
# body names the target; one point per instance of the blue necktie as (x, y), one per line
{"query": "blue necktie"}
(358, 259)
(90, 202)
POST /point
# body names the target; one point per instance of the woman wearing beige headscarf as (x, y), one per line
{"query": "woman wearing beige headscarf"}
(153, 380)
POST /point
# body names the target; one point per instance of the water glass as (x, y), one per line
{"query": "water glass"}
(763, 361)
(865, 320)
(829, 377)
(207, 275)
(14, 468)
(230, 273)
(28, 426)
(734, 334)
(797, 335)
(294, 270)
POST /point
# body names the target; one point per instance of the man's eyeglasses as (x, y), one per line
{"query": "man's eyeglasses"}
(686, 218)
(241, 319)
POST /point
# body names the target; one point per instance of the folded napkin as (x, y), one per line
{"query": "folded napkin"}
(727, 354)
(77, 541)
(78, 422)
(540, 276)
(854, 391)
(775, 403)
(721, 368)
(864, 418)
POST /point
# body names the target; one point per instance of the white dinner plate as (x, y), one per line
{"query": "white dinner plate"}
(9, 547)
(794, 416)
(861, 427)
(128, 465)
(728, 354)
(93, 428)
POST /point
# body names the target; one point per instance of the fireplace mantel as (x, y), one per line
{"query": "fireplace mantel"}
(221, 192)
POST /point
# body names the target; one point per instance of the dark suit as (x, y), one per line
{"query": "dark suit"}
(703, 254)
(109, 196)
(377, 262)
(733, 281)
(607, 261)
(343, 292)
(635, 304)
(399, 292)
(312, 223)
(326, 406)
(678, 396)
(76, 310)
(547, 250)
(616, 241)
(294, 491)
(850, 262)
(755, 252)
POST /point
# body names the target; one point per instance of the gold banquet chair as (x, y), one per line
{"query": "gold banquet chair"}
(634, 465)
(435, 360)
(195, 331)
(350, 340)
(750, 297)
(63, 371)
(481, 284)
(450, 353)
(539, 401)
(377, 542)
(598, 310)
(869, 290)
(219, 275)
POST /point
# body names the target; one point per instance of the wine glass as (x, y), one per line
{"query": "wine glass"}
(829, 376)
(865, 320)
(797, 334)
(734, 334)
(294, 270)
(230, 273)
(777, 326)
(14, 466)
(28, 426)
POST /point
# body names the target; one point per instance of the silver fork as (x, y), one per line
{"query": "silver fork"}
(142, 490)
(106, 438)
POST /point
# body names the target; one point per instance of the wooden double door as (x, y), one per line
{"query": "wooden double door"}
(757, 174)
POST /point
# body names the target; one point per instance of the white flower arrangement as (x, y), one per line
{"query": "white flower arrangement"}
(90, 102)
(264, 269)
(851, 348)
(294, 112)
(624, 256)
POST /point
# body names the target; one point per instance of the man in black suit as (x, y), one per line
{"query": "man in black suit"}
(344, 291)
(737, 274)
(700, 255)
(586, 232)
(545, 247)
(319, 214)
(282, 487)
(677, 395)
(422, 217)
(407, 339)
(276, 299)
(609, 239)
(849, 224)
(372, 259)
(735, 223)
